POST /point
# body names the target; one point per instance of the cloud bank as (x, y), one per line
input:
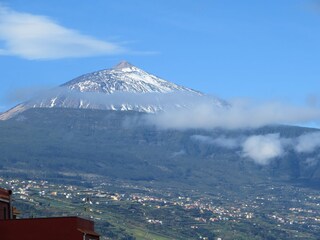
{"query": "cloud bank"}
(262, 149)
(38, 37)
(240, 114)
(183, 110)
(160, 102)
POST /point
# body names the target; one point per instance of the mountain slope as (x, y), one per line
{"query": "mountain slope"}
(108, 143)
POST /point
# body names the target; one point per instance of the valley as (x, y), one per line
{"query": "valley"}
(147, 210)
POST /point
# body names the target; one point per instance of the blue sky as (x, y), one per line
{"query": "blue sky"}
(263, 50)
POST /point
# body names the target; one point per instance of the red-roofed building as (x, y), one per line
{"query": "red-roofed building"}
(62, 228)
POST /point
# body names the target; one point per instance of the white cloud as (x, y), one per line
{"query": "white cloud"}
(221, 141)
(259, 148)
(240, 115)
(311, 162)
(38, 37)
(308, 142)
(263, 148)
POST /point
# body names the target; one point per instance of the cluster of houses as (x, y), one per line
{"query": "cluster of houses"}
(62, 228)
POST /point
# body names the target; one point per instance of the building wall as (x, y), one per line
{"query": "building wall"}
(4, 204)
(4, 210)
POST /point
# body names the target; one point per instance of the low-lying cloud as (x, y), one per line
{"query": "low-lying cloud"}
(238, 115)
(152, 102)
(221, 141)
(262, 149)
(307, 143)
(185, 110)
(21, 94)
(39, 37)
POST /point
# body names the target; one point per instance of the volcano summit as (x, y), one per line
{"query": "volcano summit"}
(122, 88)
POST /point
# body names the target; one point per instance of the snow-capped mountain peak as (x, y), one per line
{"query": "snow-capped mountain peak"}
(123, 64)
(123, 87)
(124, 77)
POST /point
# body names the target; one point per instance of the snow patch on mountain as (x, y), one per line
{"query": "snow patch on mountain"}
(124, 77)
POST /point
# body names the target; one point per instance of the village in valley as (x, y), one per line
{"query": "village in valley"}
(123, 209)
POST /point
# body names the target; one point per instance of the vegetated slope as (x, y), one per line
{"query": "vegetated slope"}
(51, 142)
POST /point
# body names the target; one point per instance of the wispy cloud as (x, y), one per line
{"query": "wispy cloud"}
(262, 149)
(21, 94)
(310, 162)
(153, 100)
(39, 37)
(308, 142)
(221, 141)
(241, 114)
(181, 110)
